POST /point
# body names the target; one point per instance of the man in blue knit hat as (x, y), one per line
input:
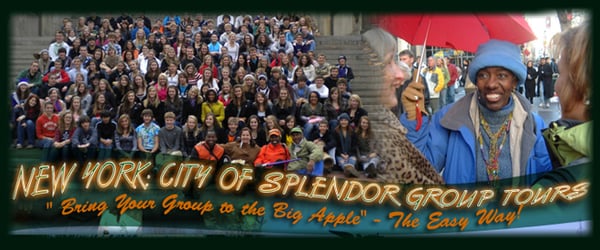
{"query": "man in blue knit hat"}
(487, 135)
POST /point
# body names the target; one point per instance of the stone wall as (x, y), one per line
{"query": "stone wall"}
(35, 24)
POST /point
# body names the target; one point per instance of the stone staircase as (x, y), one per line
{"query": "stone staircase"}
(21, 53)
(358, 56)
(367, 75)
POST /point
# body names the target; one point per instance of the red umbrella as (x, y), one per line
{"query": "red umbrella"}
(458, 31)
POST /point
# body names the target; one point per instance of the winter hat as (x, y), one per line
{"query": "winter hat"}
(37, 55)
(343, 116)
(249, 76)
(497, 53)
(342, 57)
(22, 83)
(212, 90)
(262, 76)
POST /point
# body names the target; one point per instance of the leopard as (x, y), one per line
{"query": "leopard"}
(401, 162)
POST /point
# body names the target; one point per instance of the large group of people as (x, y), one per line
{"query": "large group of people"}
(183, 88)
(255, 90)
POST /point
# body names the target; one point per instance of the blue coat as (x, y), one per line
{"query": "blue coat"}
(448, 139)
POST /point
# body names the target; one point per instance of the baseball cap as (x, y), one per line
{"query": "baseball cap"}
(296, 130)
(274, 132)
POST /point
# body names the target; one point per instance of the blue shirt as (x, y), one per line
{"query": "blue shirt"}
(147, 134)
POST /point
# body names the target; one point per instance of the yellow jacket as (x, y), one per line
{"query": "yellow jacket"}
(216, 108)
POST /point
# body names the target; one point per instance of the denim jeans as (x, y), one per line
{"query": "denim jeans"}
(46, 146)
(332, 124)
(28, 131)
(62, 154)
(365, 160)
(442, 100)
(44, 143)
(341, 162)
(104, 151)
(450, 93)
(317, 170)
(308, 127)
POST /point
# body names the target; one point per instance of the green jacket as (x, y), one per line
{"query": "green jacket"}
(305, 151)
(25, 76)
(569, 146)
(568, 142)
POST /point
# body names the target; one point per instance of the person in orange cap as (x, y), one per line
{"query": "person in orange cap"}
(274, 151)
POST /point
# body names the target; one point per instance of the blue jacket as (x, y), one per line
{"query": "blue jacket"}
(448, 140)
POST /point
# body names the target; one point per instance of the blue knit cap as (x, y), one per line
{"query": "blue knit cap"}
(499, 54)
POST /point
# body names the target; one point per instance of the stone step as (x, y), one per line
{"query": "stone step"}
(29, 45)
(46, 40)
(354, 49)
(351, 40)
(360, 84)
(367, 72)
(25, 50)
(351, 58)
(368, 94)
(355, 61)
(352, 55)
(339, 46)
(361, 90)
(362, 60)
(364, 86)
(22, 61)
(22, 50)
(23, 53)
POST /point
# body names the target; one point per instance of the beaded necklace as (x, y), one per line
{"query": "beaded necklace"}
(491, 162)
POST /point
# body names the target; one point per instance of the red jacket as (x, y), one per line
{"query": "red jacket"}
(63, 76)
(215, 72)
(453, 74)
(272, 153)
